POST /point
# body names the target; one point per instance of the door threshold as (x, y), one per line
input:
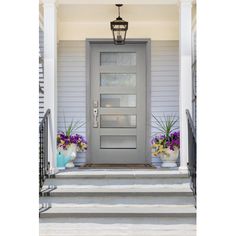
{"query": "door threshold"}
(118, 166)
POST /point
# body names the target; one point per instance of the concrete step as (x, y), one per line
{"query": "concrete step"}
(135, 221)
(59, 201)
(98, 210)
(113, 232)
(117, 202)
(119, 177)
(120, 173)
(182, 182)
(138, 228)
(114, 195)
(127, 189)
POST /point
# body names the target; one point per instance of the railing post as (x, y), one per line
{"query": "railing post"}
(192, 153)
(43, 149)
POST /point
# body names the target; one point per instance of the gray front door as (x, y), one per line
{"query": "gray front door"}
(118, 103)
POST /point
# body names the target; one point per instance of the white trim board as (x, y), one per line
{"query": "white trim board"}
(127, 2)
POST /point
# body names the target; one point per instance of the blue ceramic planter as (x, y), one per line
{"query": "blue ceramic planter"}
(66, 160)
(62, 160)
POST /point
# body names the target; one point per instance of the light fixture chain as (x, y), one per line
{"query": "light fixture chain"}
(119, 11)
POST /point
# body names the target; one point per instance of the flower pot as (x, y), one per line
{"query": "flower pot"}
(66, 156)
(80, 159)
(156, 161)
(60, 161)
(169, 157)
(71, 155)
(67, 159)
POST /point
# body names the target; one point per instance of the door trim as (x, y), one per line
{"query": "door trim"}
(147, 43)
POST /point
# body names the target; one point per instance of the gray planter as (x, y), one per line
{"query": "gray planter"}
(80, 159)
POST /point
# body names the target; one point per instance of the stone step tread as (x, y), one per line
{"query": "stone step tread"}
(116, 210)
(116, 189)
(126, 233)
(120, 206)
(152, 182)
(114, 231)
(102, 225)
(93, 221)
(121, 173)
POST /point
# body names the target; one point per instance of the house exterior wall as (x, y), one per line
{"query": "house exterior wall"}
(41, 75)
(71, 83)
(66, 16)
(72, 80)
(164, 79)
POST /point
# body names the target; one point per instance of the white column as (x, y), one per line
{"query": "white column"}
(50, 74)
(185, 75)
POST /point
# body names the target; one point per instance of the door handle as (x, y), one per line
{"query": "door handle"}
(95, 118)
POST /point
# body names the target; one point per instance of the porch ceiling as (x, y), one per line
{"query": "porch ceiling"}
(80, 19)
(106, 13)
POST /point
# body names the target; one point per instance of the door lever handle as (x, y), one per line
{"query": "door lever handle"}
(95, 118)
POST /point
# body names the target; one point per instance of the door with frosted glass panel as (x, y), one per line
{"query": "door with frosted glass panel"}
(118, 103)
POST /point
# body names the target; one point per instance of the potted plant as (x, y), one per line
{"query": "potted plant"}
(81, 151)
(166, 145)
(68, 142)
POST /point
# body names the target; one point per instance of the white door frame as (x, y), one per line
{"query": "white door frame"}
(147, 43)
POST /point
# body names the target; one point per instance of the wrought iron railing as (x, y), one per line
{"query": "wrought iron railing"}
(192, 153)
(44, 164)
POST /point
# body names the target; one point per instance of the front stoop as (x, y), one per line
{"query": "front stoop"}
(117, 202)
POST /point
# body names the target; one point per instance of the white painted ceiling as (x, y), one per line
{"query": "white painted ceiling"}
(101, 13)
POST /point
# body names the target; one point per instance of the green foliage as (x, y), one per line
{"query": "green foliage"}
(166, 125)
(73, 127)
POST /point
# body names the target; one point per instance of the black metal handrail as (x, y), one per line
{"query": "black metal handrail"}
(192, 153)
(44, 164)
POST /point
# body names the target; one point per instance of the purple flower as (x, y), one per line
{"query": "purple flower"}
(172, 141)
(64, 141)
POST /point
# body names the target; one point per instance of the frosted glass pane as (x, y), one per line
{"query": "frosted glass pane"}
(118, 121)
(118, 80)
(116, 100)
(118, 58)
(119, 141)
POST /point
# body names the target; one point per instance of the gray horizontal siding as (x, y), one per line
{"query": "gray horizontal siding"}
(41, 74)
(165, 79)
(194, 76)
(72, 82)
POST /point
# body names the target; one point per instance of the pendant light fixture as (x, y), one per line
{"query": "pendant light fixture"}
(119, 28)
